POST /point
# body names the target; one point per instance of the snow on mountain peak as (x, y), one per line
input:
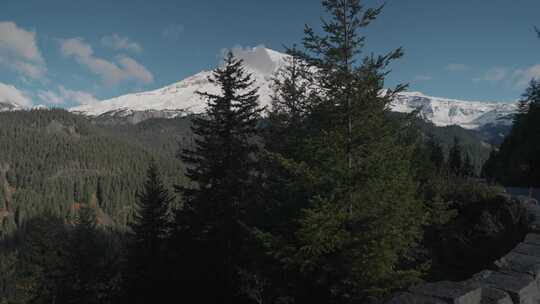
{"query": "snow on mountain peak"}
(12, 98)
(446, 112)
(260, 59)
(181, 98)
(261, 62)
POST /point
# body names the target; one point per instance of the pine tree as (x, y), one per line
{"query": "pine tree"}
(8, 273)
(222, 167)
(455, 160)
(84, 259)
(357, 165)
(293, 87)
(437, 154)
(516, 163)
(150, 228)
(42, 267)
(468, 167)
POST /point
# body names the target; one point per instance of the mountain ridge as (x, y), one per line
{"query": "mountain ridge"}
(180, 98)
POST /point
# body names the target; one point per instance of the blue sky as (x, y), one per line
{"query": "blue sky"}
(65, 52)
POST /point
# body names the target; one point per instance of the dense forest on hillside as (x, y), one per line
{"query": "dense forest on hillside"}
(517, 162)
(53, 161)
(326, 198)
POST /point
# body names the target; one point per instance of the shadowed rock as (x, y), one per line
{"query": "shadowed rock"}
(409, 298)
(450, 292)
(518, 262)
(521, 287)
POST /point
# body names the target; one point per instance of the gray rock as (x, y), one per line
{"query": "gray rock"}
(519, 262)
(527, 249)
(533, 211)
(522, 288)
(409, 298)
(532, 238)
(495, 296)
(450, 292)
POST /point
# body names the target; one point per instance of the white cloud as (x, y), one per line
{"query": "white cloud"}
(495, 74)
(19, 42)
(136, 70)
(78, 97)
(257, 58)
(117, 42)
(64, 95)
(50, 97)
(19, 51)
(9, 93)
(420, 78)
(28, 69)
(522, 77)
(76, 47)
(110, 72)
(173, 32)
(456, 67)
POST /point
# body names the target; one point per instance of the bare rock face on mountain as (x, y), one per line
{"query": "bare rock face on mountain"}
(181, 98)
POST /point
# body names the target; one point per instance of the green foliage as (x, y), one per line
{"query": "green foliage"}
(517, 162)
(42, 259)
(91, 261)
(331, 199)
(483, 226)
(145, 256)
(469, 225)
(222, 165)
(455, 158)
(472, 142)
(53, 160)
(356, 216)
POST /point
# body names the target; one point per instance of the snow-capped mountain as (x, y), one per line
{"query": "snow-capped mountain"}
(180, 98)
(7, 105)
(446, 112)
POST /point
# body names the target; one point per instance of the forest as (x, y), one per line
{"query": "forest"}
(325, 197)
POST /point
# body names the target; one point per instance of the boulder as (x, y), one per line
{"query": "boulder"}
(527, 249)
(518, 262)
(450, 292)
(409, 298)
(521, 287)
(495, 296)
(532, 238)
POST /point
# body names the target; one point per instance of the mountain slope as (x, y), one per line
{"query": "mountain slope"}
(447, 112)
(181, 98)
(8, 105)
(53, 160)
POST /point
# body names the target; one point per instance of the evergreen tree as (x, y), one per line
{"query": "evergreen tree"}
(517, 162)
(222, 168)
(85, 260)
(455, 160)
(42, 268)
(437, 154)
(293, 89)
(468, 167)
(145, 257)
(8, 273)
(356, 163)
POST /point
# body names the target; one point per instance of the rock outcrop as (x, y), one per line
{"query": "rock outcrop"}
(515, 279)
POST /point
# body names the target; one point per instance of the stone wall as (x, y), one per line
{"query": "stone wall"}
(516, 278)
